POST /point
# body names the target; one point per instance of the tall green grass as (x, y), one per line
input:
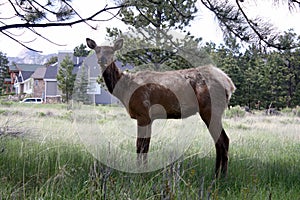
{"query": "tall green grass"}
(46, 160)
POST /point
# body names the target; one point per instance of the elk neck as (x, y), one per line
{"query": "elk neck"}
(111, 76)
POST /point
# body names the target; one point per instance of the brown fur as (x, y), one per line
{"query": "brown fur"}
(150, 95)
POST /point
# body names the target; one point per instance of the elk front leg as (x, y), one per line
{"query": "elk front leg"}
(143, 143)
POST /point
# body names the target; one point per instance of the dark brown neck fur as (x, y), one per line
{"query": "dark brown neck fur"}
(111, 76)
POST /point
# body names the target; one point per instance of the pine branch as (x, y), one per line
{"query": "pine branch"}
(21, 43)
(57, 24)
(254, 28)
(236, 21)
(47, 39)
(30, 25)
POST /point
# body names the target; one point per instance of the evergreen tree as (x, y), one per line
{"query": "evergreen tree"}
(51, 61)
(152, 45)
(295, 69)
(66, 78)
(81, 86)
(227, 58)
(291, 63)
(263, 79)
(80, 51)
(296, 97)
(3, 70)
(254, 87)
(232, 16)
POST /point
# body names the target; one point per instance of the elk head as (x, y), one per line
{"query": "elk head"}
(105, 54)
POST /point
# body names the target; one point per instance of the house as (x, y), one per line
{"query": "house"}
(8, 85)
(98, 94)
(20, 77)
(40, 81)
(95, 93)
(51, 91)
(23, 83)
(52, 94)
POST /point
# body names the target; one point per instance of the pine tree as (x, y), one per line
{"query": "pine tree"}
(227, 58)
(150, 44)
(3, 70)
(80, 51)
(66, 78)
(51, 61)
(81, 86)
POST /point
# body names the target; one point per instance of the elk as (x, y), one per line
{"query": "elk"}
(150, 95)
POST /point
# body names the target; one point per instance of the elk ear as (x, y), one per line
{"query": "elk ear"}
(118, 44)
(91, 43)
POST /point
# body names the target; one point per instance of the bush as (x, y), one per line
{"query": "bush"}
(41, 114)
(286, 110)
(6, 103)
(298, 113)
(236, 111)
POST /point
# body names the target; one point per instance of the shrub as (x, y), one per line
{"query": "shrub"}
(286, 110)
(41, 114)
(298, 113)
(6, 103)
(236, 111)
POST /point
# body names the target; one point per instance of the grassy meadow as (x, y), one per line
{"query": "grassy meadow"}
(45, 154)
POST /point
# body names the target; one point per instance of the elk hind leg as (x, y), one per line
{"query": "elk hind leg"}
(222, 147)
(214, 125)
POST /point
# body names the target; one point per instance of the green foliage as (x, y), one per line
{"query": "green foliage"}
(51, 61)
(3, 71)
(234, 20)
(81, 86)
(41, 114)
(34, 12)
(296, 111)
(6, 103)
(262, 78)
(235, 111)
(286, 110)
(152, 46)
(80, 51)
(66, 78)
(160, 14)
(68, 115)
(145, 55)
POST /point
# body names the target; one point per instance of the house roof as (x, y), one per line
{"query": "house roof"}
(24, 75)
(39, 73)
(24, 67)
(51, 72)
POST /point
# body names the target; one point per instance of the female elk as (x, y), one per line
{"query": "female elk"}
(179, 93)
